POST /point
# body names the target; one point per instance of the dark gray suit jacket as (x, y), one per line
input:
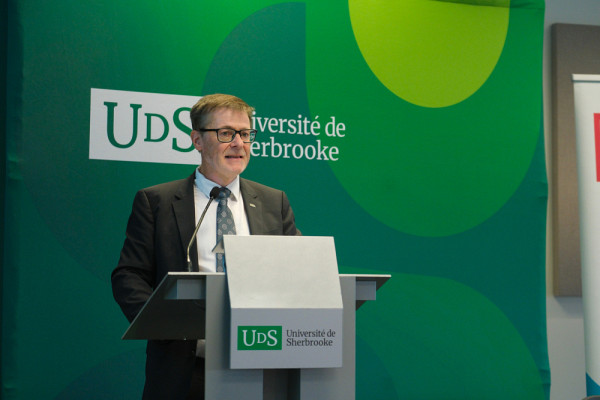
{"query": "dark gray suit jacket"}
(158, 232)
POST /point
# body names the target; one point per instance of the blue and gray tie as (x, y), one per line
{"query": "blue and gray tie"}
(225, 224)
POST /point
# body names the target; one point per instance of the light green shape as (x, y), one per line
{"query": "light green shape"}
(431, 53)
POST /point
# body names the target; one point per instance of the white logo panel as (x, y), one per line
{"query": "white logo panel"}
(144, 127)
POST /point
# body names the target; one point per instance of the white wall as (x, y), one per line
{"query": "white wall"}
(564, 314)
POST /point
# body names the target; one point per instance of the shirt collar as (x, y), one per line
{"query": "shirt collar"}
(205, 185)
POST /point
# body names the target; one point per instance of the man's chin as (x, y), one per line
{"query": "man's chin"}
(236, 165)
(236, 171)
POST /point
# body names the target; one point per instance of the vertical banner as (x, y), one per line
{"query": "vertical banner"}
(587, 126)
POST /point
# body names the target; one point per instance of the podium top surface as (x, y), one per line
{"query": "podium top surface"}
(185, 318)
(176, 314)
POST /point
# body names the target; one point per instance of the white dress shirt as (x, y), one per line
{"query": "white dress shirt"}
(207, 234)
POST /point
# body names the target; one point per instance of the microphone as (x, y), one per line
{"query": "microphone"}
(214, 193)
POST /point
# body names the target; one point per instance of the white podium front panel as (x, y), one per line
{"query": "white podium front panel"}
(286, 302)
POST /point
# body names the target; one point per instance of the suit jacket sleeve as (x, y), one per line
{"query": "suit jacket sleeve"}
(133, 279)
(288, 218)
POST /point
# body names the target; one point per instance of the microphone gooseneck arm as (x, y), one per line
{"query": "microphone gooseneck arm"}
(214, 193)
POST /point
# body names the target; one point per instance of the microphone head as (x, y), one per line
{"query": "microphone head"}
(214, 193)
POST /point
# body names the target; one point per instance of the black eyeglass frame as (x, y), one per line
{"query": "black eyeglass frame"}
(251, 133)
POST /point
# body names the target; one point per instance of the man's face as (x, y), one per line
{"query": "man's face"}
(222, 162)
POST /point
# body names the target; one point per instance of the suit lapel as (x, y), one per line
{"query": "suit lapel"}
(184, 210)
(253, 207)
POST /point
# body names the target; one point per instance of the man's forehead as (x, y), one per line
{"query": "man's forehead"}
(224, 114)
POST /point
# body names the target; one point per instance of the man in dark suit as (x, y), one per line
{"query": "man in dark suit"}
(161, 225)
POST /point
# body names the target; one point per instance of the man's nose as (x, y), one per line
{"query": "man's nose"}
(237, 139)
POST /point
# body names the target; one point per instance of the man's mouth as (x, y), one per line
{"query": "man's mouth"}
(235, 156)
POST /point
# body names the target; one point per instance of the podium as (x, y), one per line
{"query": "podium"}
(279, 325)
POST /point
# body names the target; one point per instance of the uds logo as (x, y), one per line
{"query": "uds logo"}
(259, 338)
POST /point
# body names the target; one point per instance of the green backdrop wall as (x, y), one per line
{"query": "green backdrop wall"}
(425, 160)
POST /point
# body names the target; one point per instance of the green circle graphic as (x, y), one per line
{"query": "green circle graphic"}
(430, 53)
(490, 360)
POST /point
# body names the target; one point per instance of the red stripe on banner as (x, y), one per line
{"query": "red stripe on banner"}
(597, 136)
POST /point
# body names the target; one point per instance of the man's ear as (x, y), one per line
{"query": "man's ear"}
(196, 140)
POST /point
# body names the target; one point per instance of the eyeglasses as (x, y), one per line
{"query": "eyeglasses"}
(226, 135)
